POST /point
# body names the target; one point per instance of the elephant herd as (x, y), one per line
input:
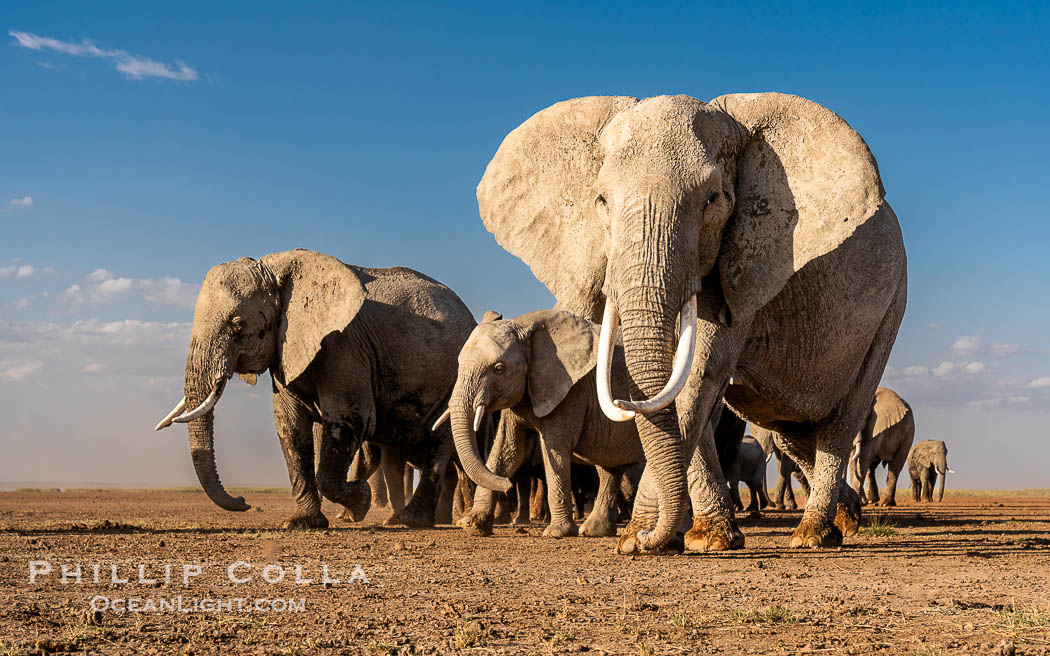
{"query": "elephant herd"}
(727, 260)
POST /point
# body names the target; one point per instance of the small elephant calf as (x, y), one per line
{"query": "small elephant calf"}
(539, 370)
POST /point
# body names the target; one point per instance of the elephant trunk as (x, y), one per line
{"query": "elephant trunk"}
(648, 318)
(199, 386)
(942, 469)
(465, 437)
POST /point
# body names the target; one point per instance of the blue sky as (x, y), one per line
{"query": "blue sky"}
(142, 146)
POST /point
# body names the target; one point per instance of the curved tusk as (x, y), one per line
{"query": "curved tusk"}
(606, 346)
(949, 471)
(683, 362)
(202, 409)
(442, 419)
(164, 423)
(479, 414)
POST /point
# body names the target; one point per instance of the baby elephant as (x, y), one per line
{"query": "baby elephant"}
(749, 467)
(927, 459)
(539, 369)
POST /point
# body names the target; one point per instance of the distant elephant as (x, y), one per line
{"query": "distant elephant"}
(755, 228)
(749, 467)
(927, 459)
(370, 354)
(784, 496)
(539, 370)
(886, 438)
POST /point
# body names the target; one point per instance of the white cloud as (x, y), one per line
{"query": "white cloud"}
(18, 372)
(94, 368)
(24, 271)
(1040, 383)
(1005, 350)
(21, 303)
(22, 203)
(107, 288)
(967, 345)
(944, 369)
(134, 67)
(974, 367)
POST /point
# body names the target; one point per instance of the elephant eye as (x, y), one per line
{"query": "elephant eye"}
(600, 200)
(262, 333)
(713, 197)
(498, 368)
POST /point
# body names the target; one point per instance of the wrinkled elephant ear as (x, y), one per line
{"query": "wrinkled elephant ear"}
(319, 295)
(538, 198)
(563, 349)
(491, 315)
(805, 182)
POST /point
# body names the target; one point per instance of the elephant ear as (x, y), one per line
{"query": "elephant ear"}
(319, 296)
(805, 182)
(888, 409)
(563, 349)
(491, 315)
(538, 198)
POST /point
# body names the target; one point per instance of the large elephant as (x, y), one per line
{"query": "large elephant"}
(886, 438)
(755, 227)
(783, 496)
(369, 354)
(927, 460)
(539, 370)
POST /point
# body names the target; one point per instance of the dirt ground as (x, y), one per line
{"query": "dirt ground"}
(971, 575)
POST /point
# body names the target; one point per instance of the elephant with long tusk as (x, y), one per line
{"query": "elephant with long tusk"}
(747, 237)
(366, 354)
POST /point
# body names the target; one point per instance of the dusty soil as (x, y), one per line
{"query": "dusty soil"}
(971, 575)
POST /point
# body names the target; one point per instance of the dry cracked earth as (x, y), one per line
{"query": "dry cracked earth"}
(970, 575)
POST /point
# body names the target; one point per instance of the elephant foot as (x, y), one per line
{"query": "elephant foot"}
(628, 544)
(354, 496)
(560, 530)
(888, 502)
(847, 512)
(477, 523)
(790, 506)
(713, 535)
(412, 518)
(776, 505)
(596, 527)
(815, 535)
(305, 521)
(521, 520)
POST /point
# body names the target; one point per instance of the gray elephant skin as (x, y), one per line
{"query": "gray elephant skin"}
(369, 354)
(783, 496)
(763, 215)
(539, 370)
(886, 439)
(927, 460)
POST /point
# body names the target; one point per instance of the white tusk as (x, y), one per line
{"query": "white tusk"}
(951, 471)
(479, 414)
(164, 423)
(606, 346)
(683, 362)
(203, 408)
(442, 419)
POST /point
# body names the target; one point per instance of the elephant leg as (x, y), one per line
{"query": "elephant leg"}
(928, 482)
(339, 443)
(763, 494)
(377, 481)
(915, 487)
(753, 506)
(833, 507)
(557, 466)
(889, 498)
(710, 496)
(446, 494)
(365, 466)
(420, 510)
(295, 430)
(734, 486)
(523, 485)
(538, 500)
(464, 494)
(394, 468)
(873, 485)
(407, 480)
(601, 522)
